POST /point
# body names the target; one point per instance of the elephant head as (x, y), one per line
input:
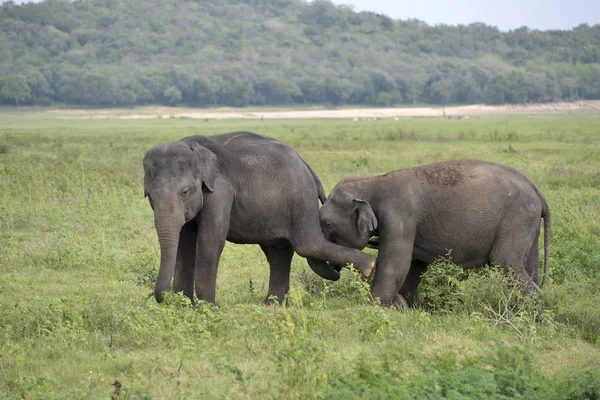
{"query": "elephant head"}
(347, 221)
(175, 178)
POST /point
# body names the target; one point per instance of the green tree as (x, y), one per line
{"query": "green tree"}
(494, 93)
(16, 88)
(173, 95)
(277, 89)
(41, 92)
(127, 97)
(281, 51)
(442, 91)
(96, 89)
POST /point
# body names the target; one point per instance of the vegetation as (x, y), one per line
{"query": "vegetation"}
(79, 257)
(261, 52)
(15, 87)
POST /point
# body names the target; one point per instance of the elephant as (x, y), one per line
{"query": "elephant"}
(481, 211)
(243, 188)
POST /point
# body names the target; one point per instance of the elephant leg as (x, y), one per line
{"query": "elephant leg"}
(533, 261)
(511, 251)
(394, 260)
(213, 225)
(280, 261)
(409, 290)
(186, 261)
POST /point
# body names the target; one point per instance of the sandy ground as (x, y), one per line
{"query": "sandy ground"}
(580, 107)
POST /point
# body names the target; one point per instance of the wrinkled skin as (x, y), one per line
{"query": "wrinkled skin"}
(482, 212)
(240, 187)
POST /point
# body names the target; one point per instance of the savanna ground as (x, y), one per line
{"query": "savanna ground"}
(79, 256)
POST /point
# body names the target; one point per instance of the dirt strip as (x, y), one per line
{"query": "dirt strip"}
(580, 107)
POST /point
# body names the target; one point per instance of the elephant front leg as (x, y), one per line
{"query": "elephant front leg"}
(186, 261)
(213, 224)
(280, 260)
(393, 264)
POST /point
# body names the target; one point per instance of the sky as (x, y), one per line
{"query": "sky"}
(505, 14)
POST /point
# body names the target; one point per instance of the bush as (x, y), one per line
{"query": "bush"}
(4, 147)
(575, 304)
(507, 373)
(490, 293)
(439, 289)
(350, 286)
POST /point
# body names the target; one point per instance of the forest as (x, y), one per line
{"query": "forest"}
(203, 53)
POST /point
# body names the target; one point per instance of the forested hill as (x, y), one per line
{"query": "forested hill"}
(255, 52)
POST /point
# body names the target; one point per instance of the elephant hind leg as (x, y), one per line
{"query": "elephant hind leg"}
(511, 251)
(186, 261)
(409, 289)
(280, 261)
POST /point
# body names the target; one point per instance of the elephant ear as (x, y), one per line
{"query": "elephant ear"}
(365, 220)
(208, 167)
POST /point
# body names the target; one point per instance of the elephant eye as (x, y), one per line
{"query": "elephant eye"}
(184, 192)
(327, 224)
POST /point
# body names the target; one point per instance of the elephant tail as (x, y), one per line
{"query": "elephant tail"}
(320, 189)
(547, 233)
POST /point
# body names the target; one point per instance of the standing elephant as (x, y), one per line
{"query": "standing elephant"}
(481, 211)
(240, 187)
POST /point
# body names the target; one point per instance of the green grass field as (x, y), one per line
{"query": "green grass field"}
(79, 256)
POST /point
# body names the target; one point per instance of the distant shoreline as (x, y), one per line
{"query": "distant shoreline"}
(316, 112)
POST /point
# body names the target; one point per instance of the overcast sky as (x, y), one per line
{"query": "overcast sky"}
(505, 14)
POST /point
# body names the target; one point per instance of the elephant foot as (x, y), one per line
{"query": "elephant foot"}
(530, 288)
(368, 272)
(397, 301)
(272, 300)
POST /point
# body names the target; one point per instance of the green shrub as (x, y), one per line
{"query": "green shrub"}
(439, 288)
(574, 257)
(299, 360)
(507, 373)
(143, 266)
(351, 286)
(574, 384)
(4, 147)
(490, 293)
(575, 304)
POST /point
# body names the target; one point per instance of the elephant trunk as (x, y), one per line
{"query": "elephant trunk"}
(324, 269)
(168, 226)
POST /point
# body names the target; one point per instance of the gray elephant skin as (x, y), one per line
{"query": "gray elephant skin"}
(480, 211)
(244, 188)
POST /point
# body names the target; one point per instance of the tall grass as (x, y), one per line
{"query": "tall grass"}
(79, 256)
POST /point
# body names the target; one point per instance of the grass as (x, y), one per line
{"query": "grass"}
(79, 256)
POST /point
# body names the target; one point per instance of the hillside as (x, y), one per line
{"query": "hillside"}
(261, 52)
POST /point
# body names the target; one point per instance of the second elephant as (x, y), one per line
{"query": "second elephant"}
(480, 211)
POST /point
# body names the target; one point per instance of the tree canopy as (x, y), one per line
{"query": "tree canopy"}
(16, 88)
(258, 52)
